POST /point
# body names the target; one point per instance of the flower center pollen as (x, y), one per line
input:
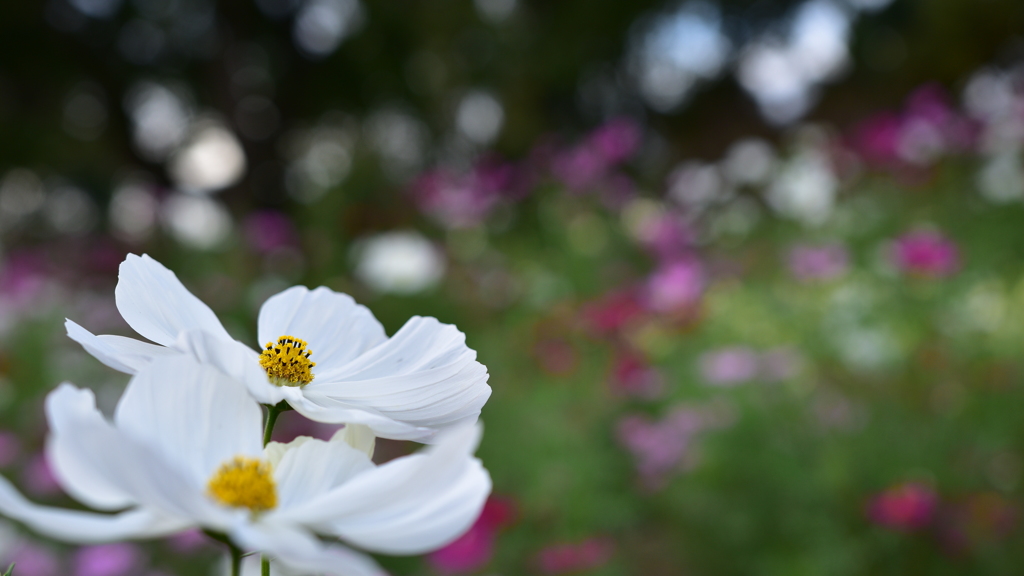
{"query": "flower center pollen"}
(244, 483)
(287, 363)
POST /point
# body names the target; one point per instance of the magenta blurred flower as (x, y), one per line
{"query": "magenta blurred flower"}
(34, 560)
(730, 366)
(632, 375)
(590, 165)
(568, 558)
(661, 448)
(474, 549)
(188, 542)
(927, 128)
(117, 559)
(666, 236)
(268, 230)
(877, 138)
(579, 169)
(675, 285)
(906, 507)
(809, 263)
(463, 200)
(38, 477)
(10, 448)
(612, 312)
(926, 253)
(617, 140)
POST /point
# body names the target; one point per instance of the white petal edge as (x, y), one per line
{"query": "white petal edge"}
(409, 505)
(234, 359)
(336, 328)
(300, 551)
(85, 527)
(122, 354)
(195, 415)
(157, 305)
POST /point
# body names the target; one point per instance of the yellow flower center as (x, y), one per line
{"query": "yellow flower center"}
(244, 483)
(287, 363)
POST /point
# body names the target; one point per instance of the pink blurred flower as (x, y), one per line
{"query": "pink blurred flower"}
(809, 263)
(667, 236)
(676, 285)
(462, 200)
(905, 507)
(107, 560)
(926, 253)
(38, 477)
(617, 140)
(661, 448)
(612, 312)
(474, 549)
(927, 128)
(877, 138)
(268, 230)
(632, 375)
(33, 560)
(591, 164)
(188, 542)
(730, 366)
(567, 558)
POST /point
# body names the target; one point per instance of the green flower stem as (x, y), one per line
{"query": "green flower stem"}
(236, 553)
(272, 413)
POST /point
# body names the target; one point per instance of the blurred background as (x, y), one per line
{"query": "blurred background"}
(748, 275)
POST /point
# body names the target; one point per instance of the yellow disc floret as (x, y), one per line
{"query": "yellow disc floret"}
(244, 483)
(287, 363)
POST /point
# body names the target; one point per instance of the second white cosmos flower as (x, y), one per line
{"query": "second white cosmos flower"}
(185, 450)
(322, 353)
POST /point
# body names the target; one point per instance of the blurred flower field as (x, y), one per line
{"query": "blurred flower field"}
(800, 356)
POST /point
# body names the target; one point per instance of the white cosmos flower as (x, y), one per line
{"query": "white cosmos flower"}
(185, 450)
(329, 358)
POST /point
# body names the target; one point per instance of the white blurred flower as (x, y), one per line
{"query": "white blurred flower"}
(160, 119)
(322, 353)
(196, 221)
(321, 25)
(211, 159)
(1001, 179)
(399, 262)
(185, 450)
(805, 188)
(479, 117)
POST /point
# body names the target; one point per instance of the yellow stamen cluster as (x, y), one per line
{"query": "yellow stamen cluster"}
(245, 483)
(287, 363)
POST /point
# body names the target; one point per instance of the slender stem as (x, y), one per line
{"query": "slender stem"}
(236, 560)
(266, 566)
(272, 413)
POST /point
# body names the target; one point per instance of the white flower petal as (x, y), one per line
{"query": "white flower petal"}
(311, 467)
(300, 551)
(358, 436)
(65, 407)
(335, 327)
(322, 409)
(425, 375)
(101, 463)
(409, 505)
(193, 414)
(157, 305)
(85, 527)
(233, 358)
(122, 354)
